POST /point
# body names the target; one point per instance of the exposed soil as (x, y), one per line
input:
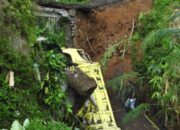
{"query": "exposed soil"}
(98, 30)
(104, 26)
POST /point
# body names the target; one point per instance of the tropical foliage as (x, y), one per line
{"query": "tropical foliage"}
(140, 110)
(122, 44)
(41, 125)
(160, 62)
(50, 66)
(157, 68)
(38, 69)
(52, 84)
(122, 85)
(38, 125)
(19, 16)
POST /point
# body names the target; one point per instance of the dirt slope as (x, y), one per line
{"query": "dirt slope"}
(101, 28)
(97, 30)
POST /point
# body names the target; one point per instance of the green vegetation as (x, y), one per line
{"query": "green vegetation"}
(108, 54)
(110, 51)
(160, 62)
(19, 16)
(17, 104)
(52, 85)
(140, 110)
(157, 67)
(41, 125)
(38, 70)
(121, 84)
(50, 66)
(52, 29)
(21, 64)
(39, 92)
(38, 124)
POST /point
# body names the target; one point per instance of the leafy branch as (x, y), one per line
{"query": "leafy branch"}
(139, 110)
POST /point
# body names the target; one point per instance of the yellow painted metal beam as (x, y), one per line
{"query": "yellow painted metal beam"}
(102, 118)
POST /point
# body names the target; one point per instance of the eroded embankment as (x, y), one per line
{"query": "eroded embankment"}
(98, 30)
(104, 26)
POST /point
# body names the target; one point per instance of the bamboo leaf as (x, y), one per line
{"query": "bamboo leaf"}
(157, 35)
(140, 110)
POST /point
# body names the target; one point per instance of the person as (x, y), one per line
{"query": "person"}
(130, 102)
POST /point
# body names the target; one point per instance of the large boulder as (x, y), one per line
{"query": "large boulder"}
(80, 82)
(81, 86)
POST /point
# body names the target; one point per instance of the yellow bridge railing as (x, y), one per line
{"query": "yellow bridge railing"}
(101, 118)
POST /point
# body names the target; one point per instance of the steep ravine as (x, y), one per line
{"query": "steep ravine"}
(102, 27)
(97, 30)
(98, 25)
